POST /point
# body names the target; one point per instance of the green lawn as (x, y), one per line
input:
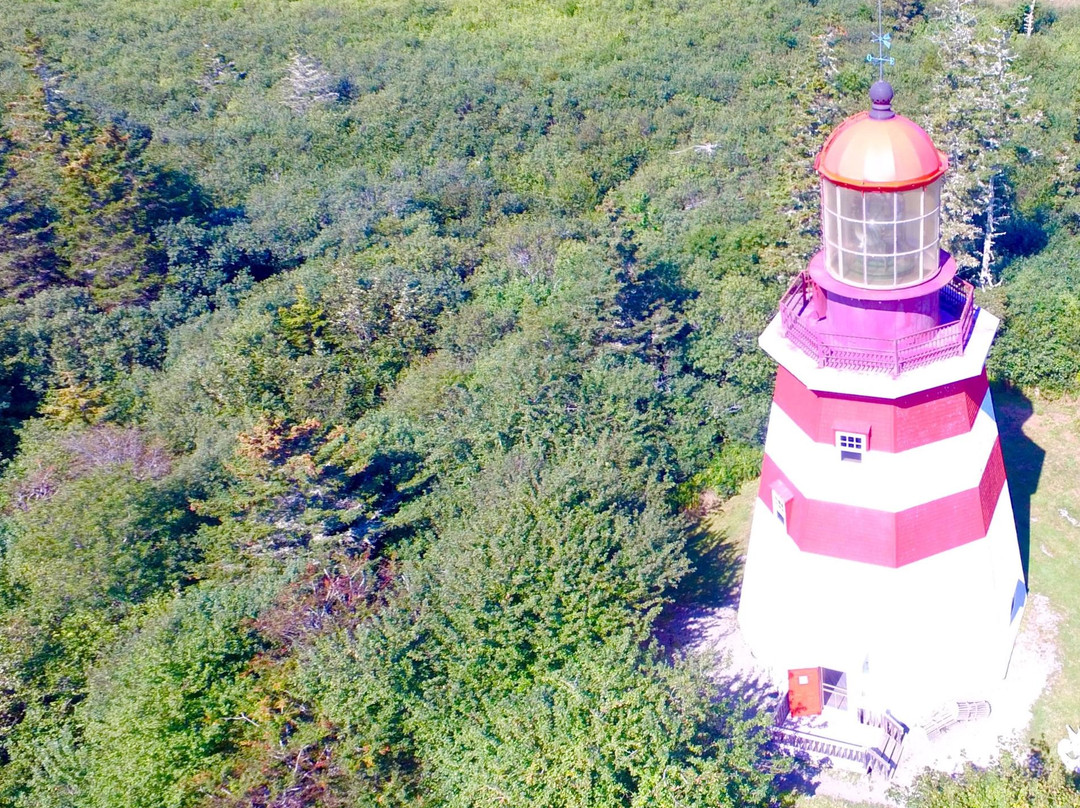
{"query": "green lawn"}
(1041, 442)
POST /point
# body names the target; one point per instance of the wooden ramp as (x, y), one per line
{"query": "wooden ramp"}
(955, 712)
(884, 761)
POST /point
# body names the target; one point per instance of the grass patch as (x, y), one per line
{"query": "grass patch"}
(1041, 443)
(718, 549)
(822, 801)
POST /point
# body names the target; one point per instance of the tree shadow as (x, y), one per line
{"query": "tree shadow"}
(1023, 461)
(711, 585)
(717, 568)
(705, 608)
(751, 699)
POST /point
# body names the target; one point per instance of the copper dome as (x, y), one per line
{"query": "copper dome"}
(880, 150)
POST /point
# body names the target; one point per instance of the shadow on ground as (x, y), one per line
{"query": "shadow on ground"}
(717, 573)
(712, 585)
(1023, 461)
(750, 698)
(705, 613)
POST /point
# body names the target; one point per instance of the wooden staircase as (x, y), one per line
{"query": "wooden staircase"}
(884, 761)
(876, 760)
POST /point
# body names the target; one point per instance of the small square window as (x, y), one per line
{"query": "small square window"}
(847, 441)
(779, 507)
(851, 445)
(781, 503)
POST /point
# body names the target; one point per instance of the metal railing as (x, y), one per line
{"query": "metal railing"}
(893, 356)
(894, 728)
(834, 696)
(884, 760)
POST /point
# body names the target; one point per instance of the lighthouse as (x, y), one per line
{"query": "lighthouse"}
(883, 569)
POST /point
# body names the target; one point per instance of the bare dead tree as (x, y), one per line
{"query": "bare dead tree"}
(982, 106)
(310, 84)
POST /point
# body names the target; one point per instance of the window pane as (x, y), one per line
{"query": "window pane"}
(828, 195)
(851, 235)
(879, 238)
(933, 196)
(908, 235)
(909, 204)
(930, 260)
(829, 228)
(930, 230)
(850, 203)
(852, 267)
(879, 207)
(909, 268)
(879, 270)
(832, 260)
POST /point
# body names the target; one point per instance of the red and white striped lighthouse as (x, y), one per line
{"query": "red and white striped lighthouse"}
(883, 554)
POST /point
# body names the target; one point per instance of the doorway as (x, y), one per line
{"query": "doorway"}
(804, 691)
(812, 689)
(834, 689)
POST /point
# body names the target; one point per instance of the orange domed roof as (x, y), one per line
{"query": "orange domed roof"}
(880, 150)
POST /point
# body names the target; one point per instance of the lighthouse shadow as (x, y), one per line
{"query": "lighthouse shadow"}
(1023, 461)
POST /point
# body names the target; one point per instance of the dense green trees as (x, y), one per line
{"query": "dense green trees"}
(359, 360)
(1032, 780)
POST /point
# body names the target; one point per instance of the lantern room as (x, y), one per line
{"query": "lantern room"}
(881, 198)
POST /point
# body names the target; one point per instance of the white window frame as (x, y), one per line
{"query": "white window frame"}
(779, 507)
(851, 445)
(781, 502)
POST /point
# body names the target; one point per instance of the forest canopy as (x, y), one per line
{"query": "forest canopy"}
(362, 362)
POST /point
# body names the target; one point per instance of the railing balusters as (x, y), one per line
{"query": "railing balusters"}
(867, 353)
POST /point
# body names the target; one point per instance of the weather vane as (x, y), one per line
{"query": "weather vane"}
(884, 43)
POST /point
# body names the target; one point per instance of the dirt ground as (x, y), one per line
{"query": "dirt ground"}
(1034, 663)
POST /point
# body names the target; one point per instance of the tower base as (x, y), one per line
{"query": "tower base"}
(908, 638)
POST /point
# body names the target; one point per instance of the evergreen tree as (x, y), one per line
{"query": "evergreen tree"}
(78, 198)
(102, 224)
(38, 124)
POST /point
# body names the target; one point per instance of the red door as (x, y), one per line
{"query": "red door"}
(804, 691)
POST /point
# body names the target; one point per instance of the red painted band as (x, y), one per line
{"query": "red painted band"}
(894, 425)
(883, 538)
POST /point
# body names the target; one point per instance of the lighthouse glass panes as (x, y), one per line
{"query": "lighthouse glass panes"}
(881, 239)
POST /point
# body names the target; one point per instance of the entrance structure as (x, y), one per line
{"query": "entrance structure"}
(883, 553)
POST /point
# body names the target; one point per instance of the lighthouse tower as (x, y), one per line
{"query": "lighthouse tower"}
(883, 569)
